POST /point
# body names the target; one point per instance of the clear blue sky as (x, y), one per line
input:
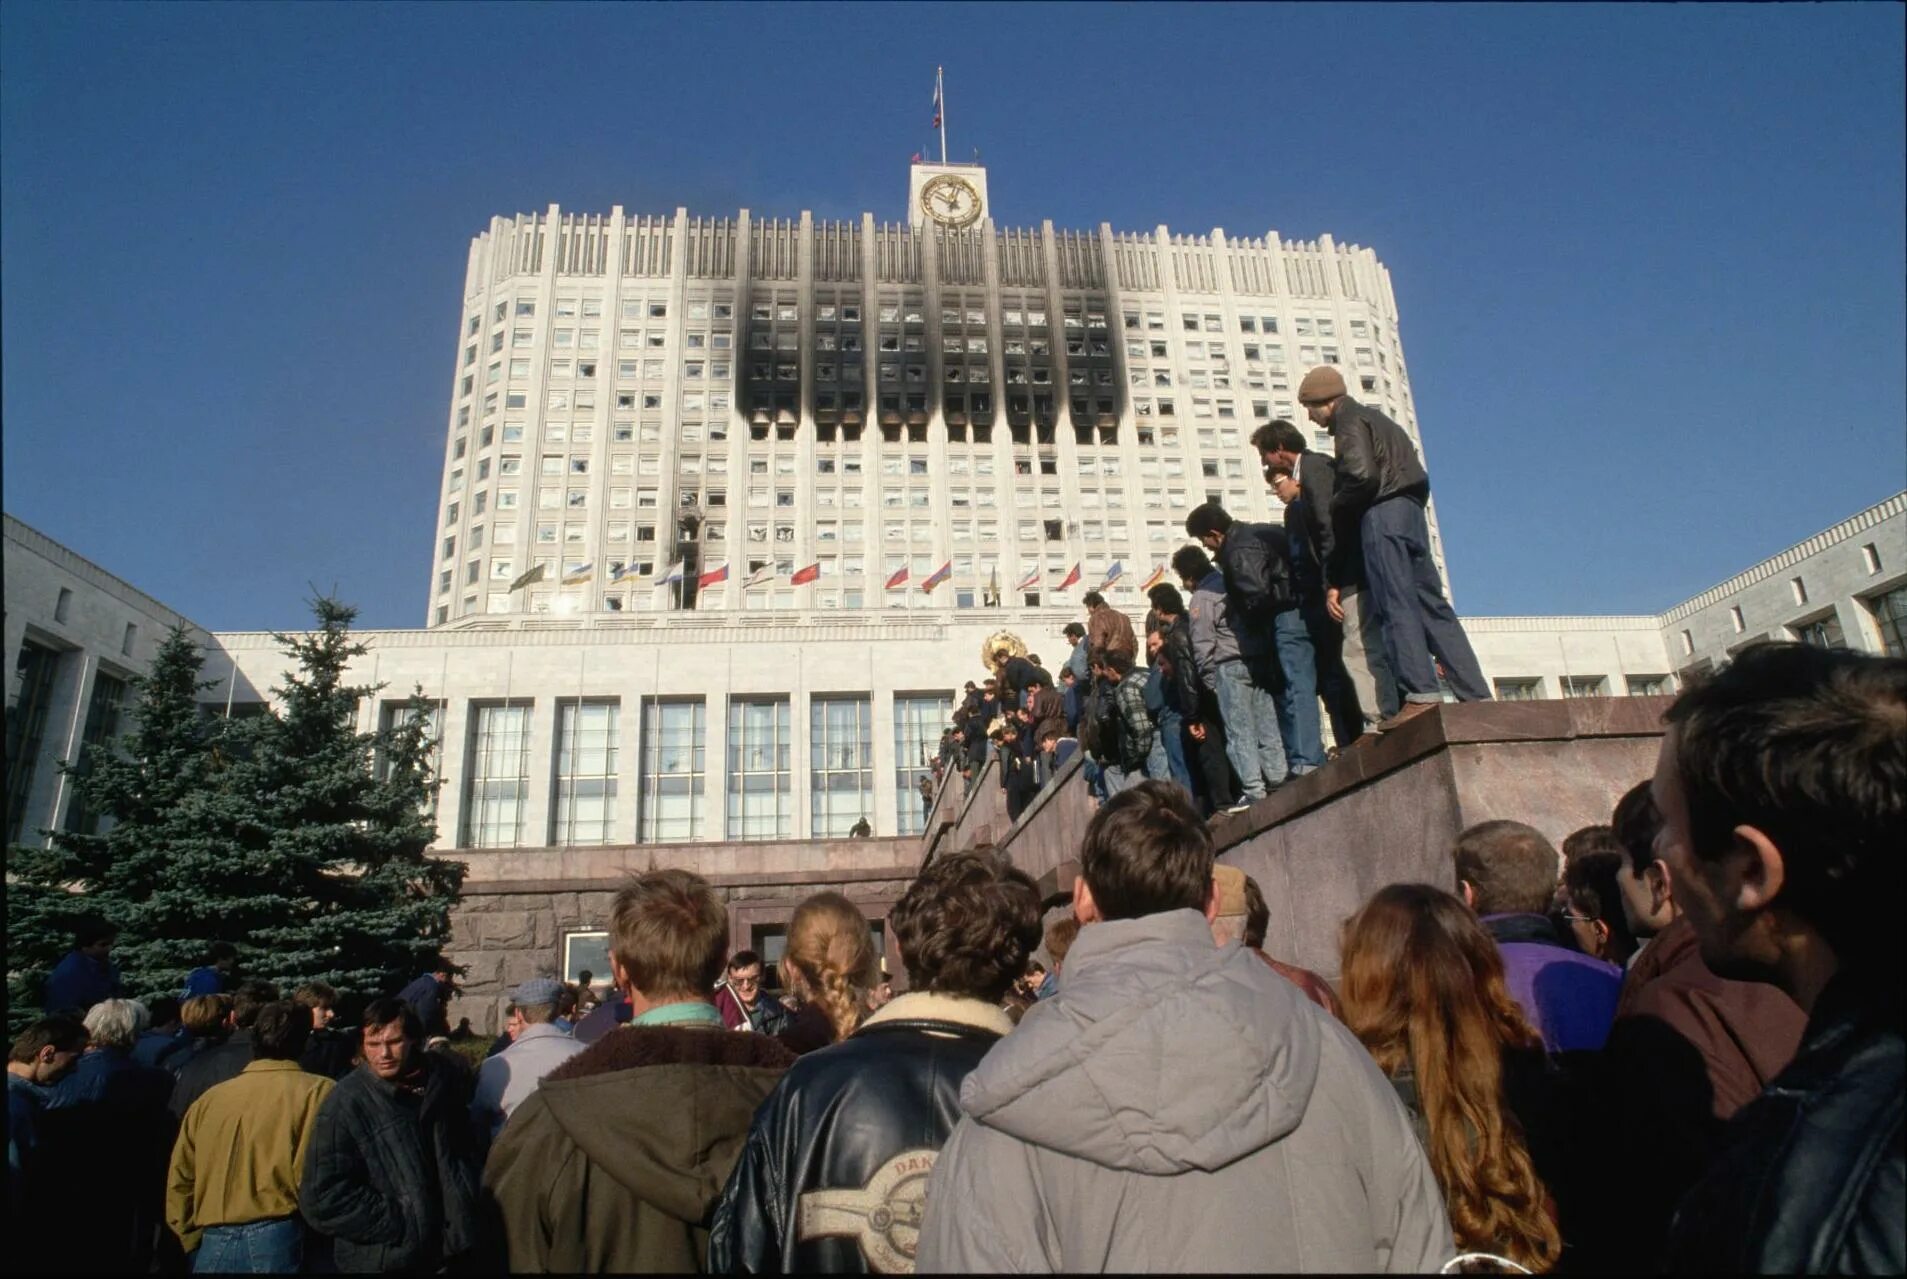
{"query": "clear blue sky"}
(1649, 258)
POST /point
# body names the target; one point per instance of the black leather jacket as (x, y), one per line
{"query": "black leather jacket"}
(1814, 1176)
(1256, 562)
(1376, 460)
(833, 1177)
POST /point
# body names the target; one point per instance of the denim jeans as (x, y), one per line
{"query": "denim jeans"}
(1416, 618)
(274, 1246)
(1298, 720)
(1168, 750)
(1250, 713)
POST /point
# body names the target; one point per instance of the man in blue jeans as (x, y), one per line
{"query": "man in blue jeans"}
(1262, 606)
(1241, 689)
(1382, 487)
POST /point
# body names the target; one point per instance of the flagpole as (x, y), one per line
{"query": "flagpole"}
(940, 87)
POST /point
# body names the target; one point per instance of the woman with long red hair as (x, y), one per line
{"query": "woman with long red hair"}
(1423, 989)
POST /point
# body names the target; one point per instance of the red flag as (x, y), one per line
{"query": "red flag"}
(899, 578)
(807, 574)
(711, 577)
(916, 157)
(1072, 578)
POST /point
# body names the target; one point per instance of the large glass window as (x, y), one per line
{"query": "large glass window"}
(760, 798)
(674, 738)
(102, 726)
(840, 764)
(586, 754)
(918, 719)
(499, 777)
(32, 695)
(1519, 690)
(1890, 618)
(395, 715)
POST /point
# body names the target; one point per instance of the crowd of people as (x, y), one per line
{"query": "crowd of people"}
(1335, 616)
(1676, 1043)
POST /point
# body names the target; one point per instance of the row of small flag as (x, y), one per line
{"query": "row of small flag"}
(578, 574)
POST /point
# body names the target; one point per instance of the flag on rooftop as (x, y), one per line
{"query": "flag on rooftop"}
(939, 575)
(1072, 578)
(803, 576)
(525, 579)
(937, 102)
(711, 577)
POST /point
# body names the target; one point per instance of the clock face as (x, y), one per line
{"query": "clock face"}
(950, 200)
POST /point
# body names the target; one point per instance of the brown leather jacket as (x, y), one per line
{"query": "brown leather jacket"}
(1110, 631)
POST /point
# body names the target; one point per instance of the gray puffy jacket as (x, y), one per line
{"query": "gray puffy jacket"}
(1178, 1106)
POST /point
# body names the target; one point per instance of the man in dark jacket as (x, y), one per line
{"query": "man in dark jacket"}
(217, 1064)
(1382, 487)
(87, 973)
(391, 1177)
(429, 995)
(615, 1162)
(1782, 784)
(1327, 564)
(834, 1175)
(1262, 607)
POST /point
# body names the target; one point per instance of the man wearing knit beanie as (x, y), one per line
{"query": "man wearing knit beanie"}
(1381, 489)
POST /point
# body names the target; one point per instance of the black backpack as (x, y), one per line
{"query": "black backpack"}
(1097, 732)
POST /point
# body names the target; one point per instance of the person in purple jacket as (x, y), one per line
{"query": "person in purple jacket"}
(1507, 873)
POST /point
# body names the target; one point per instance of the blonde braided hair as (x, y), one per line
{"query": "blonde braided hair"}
(831, 954)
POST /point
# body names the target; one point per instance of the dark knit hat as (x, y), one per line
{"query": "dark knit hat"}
(1321, 384)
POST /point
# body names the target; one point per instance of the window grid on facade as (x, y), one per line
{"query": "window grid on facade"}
(674, 742)
(397, 715)
(1519, 690)
(33, 673)
(103, 711)
(1585, 686)
(586, 762)
(918, 719)
(499, 777)
(840, 764)
(760, 794)
(1648, 685)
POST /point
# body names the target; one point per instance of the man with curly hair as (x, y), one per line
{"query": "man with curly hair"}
(834, 1174)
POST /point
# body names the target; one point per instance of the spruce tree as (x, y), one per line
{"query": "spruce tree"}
(352, 897)
(165, 822)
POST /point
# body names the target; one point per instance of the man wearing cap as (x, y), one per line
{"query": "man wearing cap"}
(1381, 488)
(505, 1080)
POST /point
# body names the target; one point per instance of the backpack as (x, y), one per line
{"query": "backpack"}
(1095, 707)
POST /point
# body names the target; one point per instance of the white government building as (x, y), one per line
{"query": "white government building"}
(843, 402)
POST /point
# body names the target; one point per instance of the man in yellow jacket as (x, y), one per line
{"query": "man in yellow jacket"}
(232, 1189)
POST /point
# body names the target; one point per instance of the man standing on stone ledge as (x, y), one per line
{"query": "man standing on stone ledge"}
(1381, 489)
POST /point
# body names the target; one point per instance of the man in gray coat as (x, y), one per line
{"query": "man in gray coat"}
(1176, 1106)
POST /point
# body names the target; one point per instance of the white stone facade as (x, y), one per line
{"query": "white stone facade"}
(75, 635)
(868, 397)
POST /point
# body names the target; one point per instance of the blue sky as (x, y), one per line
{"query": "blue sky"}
(1649, 258)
